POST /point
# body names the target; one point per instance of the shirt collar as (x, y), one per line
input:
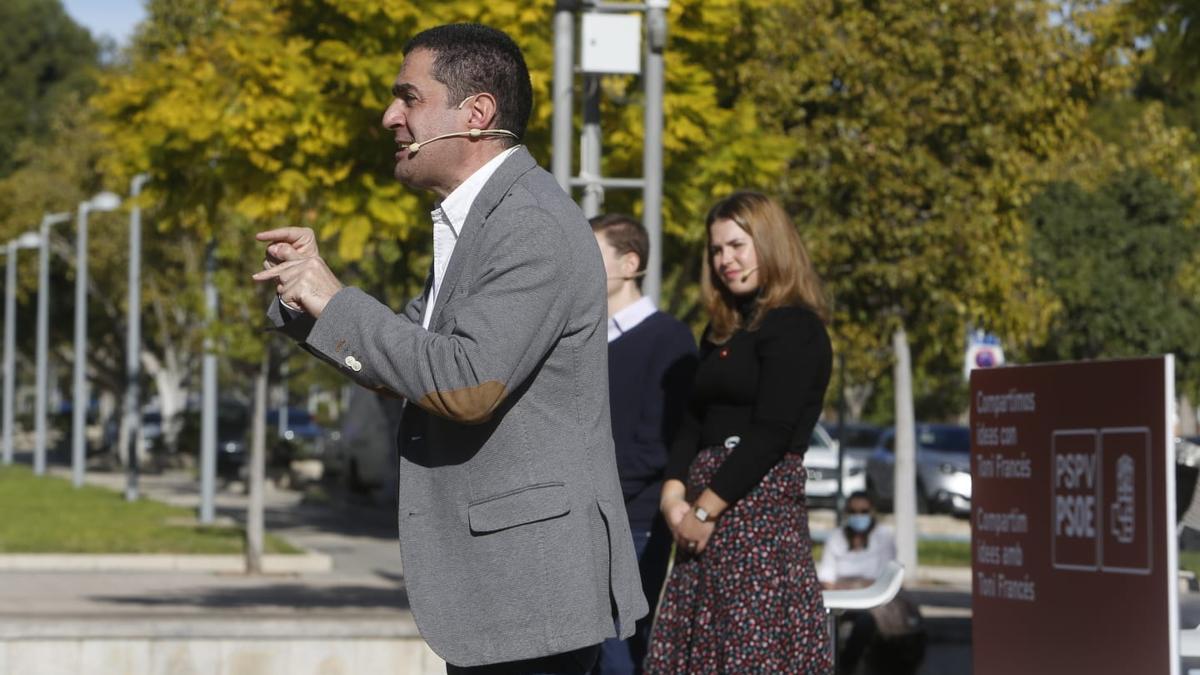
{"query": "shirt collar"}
(625, 319)
(457, 204)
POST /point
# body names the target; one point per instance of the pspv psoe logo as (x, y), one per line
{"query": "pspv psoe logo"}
(1123, 510)
(1125, 489)
(1101, 500)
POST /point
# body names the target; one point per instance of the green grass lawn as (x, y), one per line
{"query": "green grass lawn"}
(958, 554)
(48, 515)
(940, 553)
(1190, 560)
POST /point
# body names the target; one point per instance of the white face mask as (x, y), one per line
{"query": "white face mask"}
(859, 522)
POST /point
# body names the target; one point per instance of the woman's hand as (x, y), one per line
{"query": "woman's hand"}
(692, 535)
(672, 504)
(674, 511)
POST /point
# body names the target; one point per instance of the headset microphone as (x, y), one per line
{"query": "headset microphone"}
(415, 147)
(628, 278)
(748, 273)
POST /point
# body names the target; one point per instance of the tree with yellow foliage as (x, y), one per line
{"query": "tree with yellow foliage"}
(251, 113)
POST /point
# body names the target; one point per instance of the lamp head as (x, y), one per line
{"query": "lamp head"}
(104, 201)
(29, 240)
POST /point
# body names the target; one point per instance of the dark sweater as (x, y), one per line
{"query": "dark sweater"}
(650, 371)
(765, 386)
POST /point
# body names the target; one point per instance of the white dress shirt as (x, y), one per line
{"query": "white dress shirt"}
(839, 562)
(448, 219)
(625, 319)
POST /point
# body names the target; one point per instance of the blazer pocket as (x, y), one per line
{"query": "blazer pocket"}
(530, 504)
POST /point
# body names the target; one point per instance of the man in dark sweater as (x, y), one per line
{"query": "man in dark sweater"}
(651, 359)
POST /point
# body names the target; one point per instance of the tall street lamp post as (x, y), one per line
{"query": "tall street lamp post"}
(43, 333)
(133, 344)
(105, 201)
(27, 240)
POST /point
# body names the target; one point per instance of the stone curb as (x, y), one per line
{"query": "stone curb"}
(932, 575)
(310, 562)
(222, 628)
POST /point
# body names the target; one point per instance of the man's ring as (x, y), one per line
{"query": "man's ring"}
(692, 545)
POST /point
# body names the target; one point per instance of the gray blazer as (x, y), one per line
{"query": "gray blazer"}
(513, 534)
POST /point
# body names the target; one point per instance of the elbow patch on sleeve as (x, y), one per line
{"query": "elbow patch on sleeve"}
(470, 405)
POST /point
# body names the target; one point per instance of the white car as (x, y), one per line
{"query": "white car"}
(821, 461)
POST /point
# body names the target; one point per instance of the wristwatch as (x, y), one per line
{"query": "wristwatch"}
(702, 514)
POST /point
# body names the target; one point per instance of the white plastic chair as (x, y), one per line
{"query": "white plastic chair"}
(1189, 643)
(881, 592)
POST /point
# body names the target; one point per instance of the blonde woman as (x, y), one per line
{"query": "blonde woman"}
(744, 595)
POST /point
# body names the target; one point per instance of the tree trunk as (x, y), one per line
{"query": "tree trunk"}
(169, 374)
(857, 396)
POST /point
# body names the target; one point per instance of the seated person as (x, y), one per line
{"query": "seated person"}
(854, 556)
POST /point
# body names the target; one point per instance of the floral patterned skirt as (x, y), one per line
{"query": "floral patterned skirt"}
(750, 602)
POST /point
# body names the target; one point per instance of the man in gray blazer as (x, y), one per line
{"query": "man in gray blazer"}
(513, 535)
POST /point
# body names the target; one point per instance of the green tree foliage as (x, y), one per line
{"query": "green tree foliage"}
(907, 139)
(1171, 74)
(1172, 27)
(44, 57)
(1158, 43)
(1106, 176)
(920, 132)
(1113, 257)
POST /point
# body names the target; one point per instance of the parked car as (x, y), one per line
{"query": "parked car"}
(152, 431)
(943, 469)
(821, 461)
(233, 439)
(303, 437)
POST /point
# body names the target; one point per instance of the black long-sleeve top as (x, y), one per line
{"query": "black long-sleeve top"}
(764, 386)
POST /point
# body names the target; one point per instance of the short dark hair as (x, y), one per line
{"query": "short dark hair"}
(470, 58)
(859, 494)
(626, 235)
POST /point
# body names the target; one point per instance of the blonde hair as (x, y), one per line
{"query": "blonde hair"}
(785, 271)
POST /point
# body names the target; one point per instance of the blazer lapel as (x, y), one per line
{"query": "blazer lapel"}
(517, 164)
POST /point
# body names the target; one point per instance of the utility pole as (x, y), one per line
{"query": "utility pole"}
(257, 477)
(208, 412)
(11, 250)
(652, 151)
(590, 149)
(43, 334)
(564, 90)
(105, 201)
(609, 47)
(133, 340)
(905, 468)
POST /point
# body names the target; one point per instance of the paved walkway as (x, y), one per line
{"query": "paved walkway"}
(363, 595)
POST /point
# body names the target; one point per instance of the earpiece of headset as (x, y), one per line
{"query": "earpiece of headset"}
(415, 147)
